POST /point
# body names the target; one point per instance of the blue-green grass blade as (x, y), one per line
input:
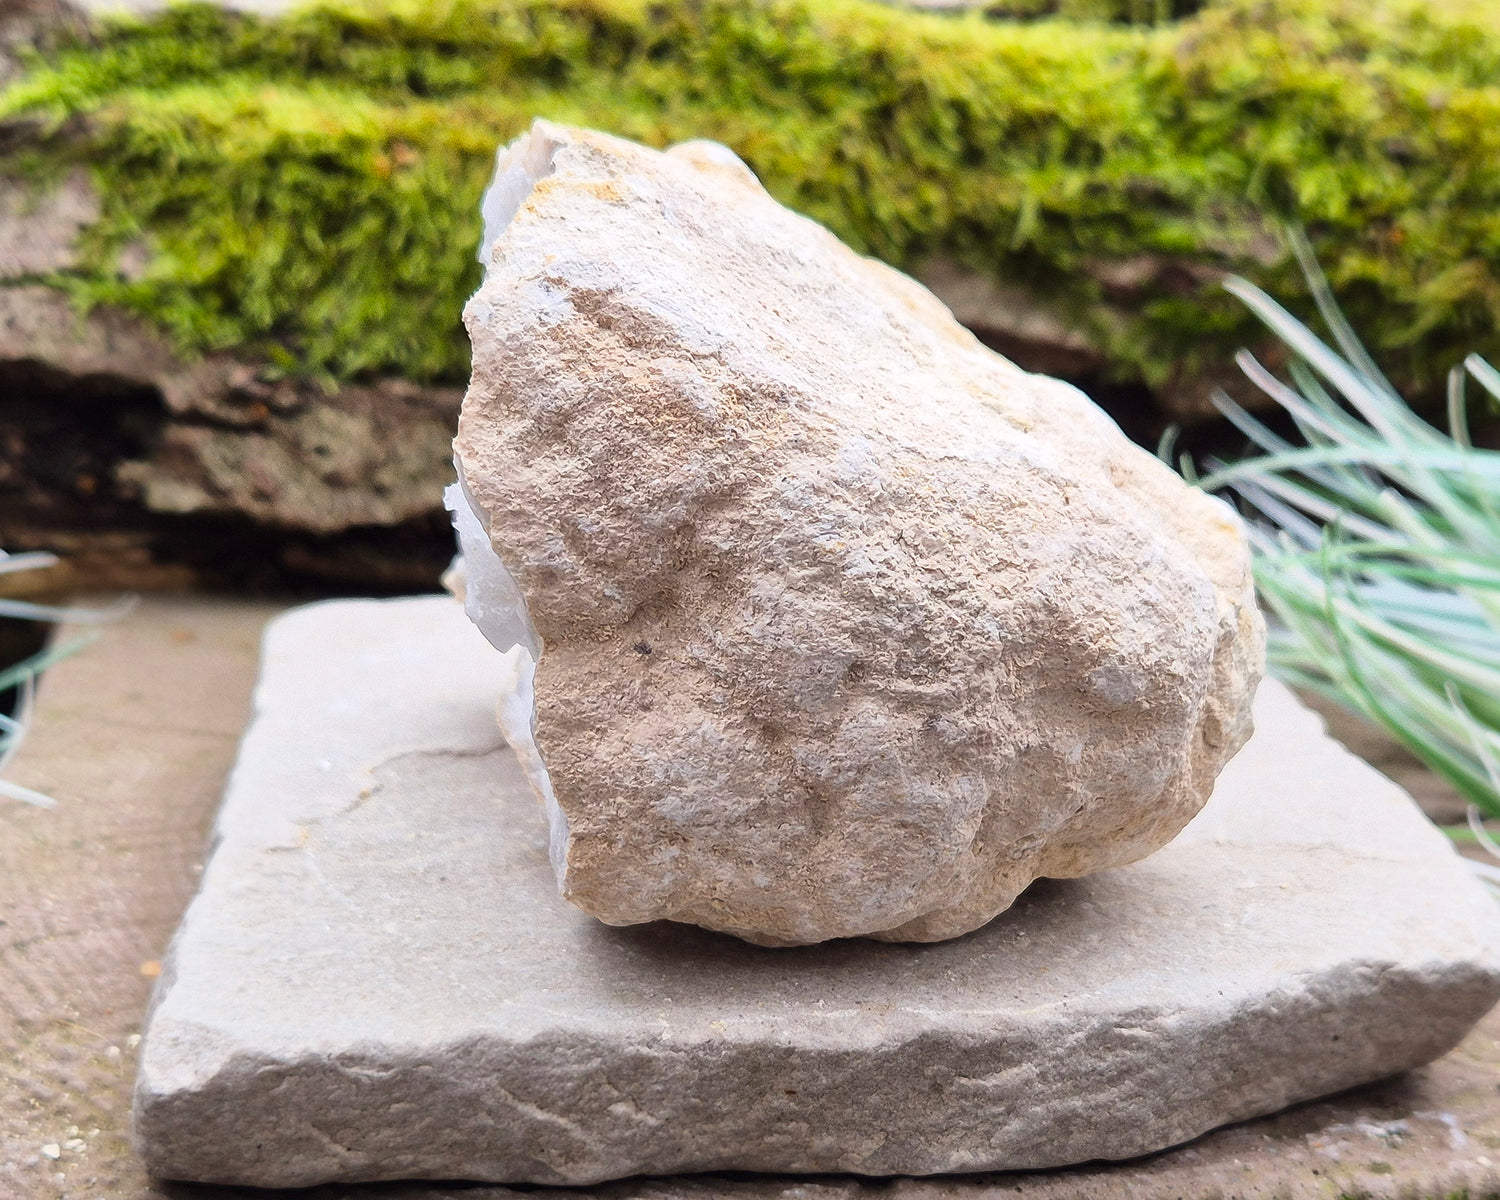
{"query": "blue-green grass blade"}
(1484, 374)
(34, 560)
(25, 610)
(1333, 316)
(1386, 415)
(30, 668)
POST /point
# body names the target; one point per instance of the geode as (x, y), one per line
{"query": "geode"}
(836, 622)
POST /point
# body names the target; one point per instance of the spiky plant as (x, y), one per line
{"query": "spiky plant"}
(22, 676)
(1377, 544)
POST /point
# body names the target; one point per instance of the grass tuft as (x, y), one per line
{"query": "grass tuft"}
(1377, 543)
(22, 677)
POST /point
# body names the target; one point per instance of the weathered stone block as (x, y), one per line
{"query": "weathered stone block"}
(379, 980)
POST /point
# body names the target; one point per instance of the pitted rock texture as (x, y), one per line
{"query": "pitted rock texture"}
(848, 626)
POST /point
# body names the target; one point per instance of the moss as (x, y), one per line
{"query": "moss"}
(308, 185)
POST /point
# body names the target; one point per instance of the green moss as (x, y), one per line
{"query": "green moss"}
(308, 186)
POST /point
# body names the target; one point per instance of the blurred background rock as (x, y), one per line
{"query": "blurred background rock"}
(234, 246)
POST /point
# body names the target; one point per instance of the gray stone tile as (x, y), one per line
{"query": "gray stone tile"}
(378, 980)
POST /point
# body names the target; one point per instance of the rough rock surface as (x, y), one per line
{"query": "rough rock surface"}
(379, 980)
(848, 625)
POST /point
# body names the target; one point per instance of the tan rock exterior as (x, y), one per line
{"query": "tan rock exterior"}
(848, 626)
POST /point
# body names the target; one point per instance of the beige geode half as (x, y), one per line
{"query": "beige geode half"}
(847, 626)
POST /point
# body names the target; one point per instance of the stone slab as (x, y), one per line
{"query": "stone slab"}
(377, 979)
(135, 737)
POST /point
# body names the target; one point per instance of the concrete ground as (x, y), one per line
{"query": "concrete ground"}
(133, 738)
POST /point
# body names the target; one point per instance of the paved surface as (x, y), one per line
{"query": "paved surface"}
(134, 738)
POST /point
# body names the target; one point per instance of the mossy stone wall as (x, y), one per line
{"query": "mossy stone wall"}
(304, 189)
